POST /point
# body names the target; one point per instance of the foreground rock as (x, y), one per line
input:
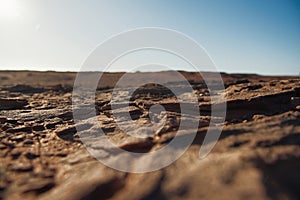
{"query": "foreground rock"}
(256, 157)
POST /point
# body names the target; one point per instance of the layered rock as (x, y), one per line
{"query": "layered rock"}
(256, 157)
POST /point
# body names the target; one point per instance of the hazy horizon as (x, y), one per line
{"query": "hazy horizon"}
(222, 72)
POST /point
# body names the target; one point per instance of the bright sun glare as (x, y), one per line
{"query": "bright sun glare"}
(8, 8)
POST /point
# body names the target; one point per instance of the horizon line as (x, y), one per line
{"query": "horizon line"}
(112, 72)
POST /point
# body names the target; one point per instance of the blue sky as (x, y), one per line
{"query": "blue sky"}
(258, 36)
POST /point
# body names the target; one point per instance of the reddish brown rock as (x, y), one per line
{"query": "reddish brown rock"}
(42, 157)
(12, 103)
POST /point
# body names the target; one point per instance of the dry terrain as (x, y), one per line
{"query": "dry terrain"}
(42, 157)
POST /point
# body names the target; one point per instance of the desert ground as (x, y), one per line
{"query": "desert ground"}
(256, 157)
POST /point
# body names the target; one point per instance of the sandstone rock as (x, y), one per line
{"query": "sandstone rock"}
(67, 133)
(3, 119)
(42, 156)
(31, 155)
(25, 89)
(38, 186)
(21, 167)
(38, 128)
(2, 146)
(9, 104)
(20, 129)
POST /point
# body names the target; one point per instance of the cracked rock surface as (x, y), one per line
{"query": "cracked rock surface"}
(42, 155)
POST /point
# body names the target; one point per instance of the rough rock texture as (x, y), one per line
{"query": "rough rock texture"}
(256, 157)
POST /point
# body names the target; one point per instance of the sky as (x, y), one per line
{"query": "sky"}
(241, 36)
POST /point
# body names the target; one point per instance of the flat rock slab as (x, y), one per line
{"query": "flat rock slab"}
(12, 103)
